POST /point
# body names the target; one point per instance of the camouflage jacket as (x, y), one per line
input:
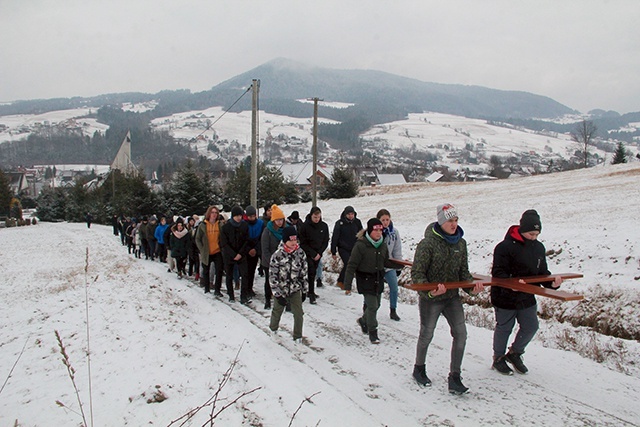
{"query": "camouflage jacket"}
(288, 272)
(437, 260)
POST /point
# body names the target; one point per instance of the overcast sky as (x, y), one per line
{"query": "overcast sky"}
(582, 53)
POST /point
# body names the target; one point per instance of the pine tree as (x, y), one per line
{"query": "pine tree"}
(5, 194)
(343, 184)
(620, 156)
(189, 192)
(51, 204)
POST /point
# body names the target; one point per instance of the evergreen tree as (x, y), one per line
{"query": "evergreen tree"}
(189, 192)
(620, 156)
(343, 184)
(51, 204)
(15, 210)
(291, 193)
(271, 185)
(238, 188)
(5, 194)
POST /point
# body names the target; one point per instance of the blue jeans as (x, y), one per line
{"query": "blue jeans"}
(451, 309)
(505, 321)
(392, 279)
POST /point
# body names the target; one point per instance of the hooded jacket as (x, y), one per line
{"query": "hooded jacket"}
(367, 265)
(516, 256)
(345, 231)
(234, 238)
(441, 258)
(314, 237)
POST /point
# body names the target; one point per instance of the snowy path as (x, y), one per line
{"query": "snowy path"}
(148, 328)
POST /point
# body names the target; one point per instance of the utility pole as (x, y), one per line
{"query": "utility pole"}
(254, 143)
(314, 149)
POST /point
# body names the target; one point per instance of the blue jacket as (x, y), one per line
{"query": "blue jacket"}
(159, 233)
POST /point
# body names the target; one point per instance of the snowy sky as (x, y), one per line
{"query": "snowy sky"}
(582, 53)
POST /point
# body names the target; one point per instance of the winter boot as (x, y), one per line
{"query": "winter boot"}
(500, 365)
(363, 325)
(341, 285)
(394, 315)
(267, 304)
(312, 299)
(516, 360)
(420, 375)
(455, 384)
(319, 283)
(373, 336)
(197, 277)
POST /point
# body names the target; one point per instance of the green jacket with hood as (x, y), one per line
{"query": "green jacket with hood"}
(440, 258)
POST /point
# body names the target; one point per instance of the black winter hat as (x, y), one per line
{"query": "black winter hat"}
(373, 224)
(530, 221)
(250, 211)
(289, 233)
(294, 215)
(349, 209)
(236, 210)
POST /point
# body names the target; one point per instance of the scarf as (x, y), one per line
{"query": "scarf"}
(180, 234)
(376, 243)
(289, 250)
(276, 233)
(388, 231)
(452, 239)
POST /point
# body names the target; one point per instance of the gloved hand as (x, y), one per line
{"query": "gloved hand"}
(398, 273)
(304, 296)
(282, 301)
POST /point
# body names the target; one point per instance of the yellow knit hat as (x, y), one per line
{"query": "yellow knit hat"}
(276, 213)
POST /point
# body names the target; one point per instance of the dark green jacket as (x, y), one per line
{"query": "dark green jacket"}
(367, 264)
(436, 261)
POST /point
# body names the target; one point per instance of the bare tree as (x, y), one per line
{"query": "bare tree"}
(584, 134)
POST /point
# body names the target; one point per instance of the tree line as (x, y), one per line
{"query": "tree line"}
(190, 190)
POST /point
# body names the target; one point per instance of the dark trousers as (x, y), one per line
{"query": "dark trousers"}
(252, 263)
(161, 250)
(527, 319)
(181, 262)
(205, 279)
(312, 270)
(145, 247)
(344, 256)
(194, 264)
(242, 269)
(267, 286)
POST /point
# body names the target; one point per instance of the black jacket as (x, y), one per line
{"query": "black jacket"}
(314, 237)
(516, 256)
(233, 240)
(344, 233)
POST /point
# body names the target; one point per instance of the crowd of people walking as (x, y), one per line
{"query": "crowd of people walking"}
(287, 252)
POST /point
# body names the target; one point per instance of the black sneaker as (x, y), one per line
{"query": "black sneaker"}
(319, 283)
(455, 384)
(516, 360)
(420, 375)
(267, 305)
(232, 300)
(373, 337)
(312, 299)
(217, 294)
(363, 325)
(500, 365)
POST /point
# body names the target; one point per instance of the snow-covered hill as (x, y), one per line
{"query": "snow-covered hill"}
(214, 133)
(151, 333)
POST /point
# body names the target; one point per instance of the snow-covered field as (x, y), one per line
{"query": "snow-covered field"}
(150, 332)
(20, 126)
